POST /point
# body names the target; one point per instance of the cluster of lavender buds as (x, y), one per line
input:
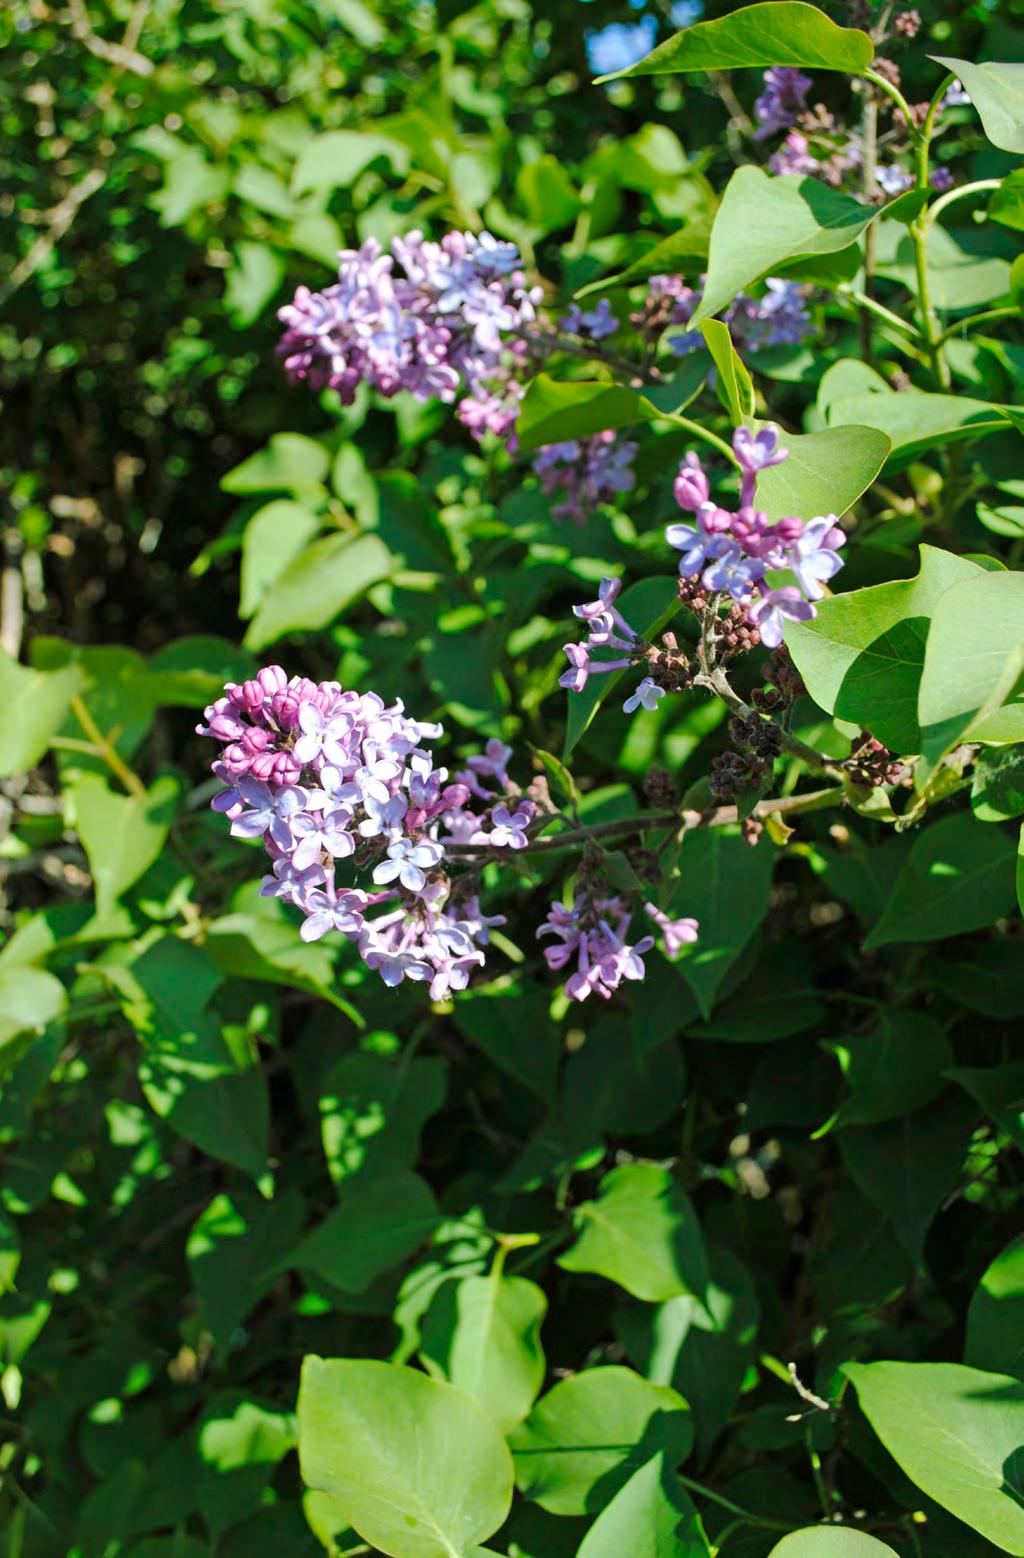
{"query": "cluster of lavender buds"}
(778, 318)
(321, 776)
(435, 319)
(594, 935)
(587, 471)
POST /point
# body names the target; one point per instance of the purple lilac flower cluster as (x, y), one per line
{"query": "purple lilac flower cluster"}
(779, 318)
(594, 934)
(784, 96)
(430, 318)
(734, 553)
(322, 775)
(587, 471)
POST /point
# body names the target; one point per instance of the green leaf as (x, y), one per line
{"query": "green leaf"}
(649, 605)
(959, 876)
(35, 704)
(676, 255)
(734, 386)
(724, 885)
(652, 1516)
(235, 1249)
(483, 1334)
(254, 277)
(318, 585)
(973, 659)
(915, 422)
(642, 1233)
(414, 1465)
(892, 1069)
(906, 1167)
(766, 223)
(863, 654)
(997, 783)
(1006, 520)
(29, 999)
(585, 1438)
(995, 1319)
(957, 1434)
(825, 473)
(997, 92)
(1006, 204)
(274, 537)
(335, 159)
(547, 194)
(289, 463)
(999, 1090)
(10, 1253)
(377, 1224)
(827, 1542)
(121, 834)
(373, 1110)
(783, 32)
(553, 412)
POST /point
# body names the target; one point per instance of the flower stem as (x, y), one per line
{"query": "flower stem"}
(897, 97)
(988, 316)
(965, 192)
(106, 749)
(717, 680)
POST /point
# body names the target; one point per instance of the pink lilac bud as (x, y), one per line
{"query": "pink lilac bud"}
(691, 488)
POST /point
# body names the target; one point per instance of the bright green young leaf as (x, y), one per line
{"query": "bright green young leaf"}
(121, 834)
(973, 660)
(318, 585)
(274, 537)
(997, 92)
(765, 223)
(35, 703)
(376, 1226)
(825, 473)
(830, 1542)
(289, 463)
(642, 1233)
(1006, 520)
(335, 159)
(251, 282)
(783, 32)
(862, 656)
(652, 1516)
(995, 1319)
(906, 1167)
(29, 999)
(957, 1433)
(959, 876)
(585, 1438)
(724, 885)
(649, 606)
(416, 1467)
(483, 1334)
(735, 389)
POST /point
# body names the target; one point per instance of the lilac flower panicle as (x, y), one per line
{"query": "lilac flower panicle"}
(587, 472)
(593, 935)
(778, 318)
(597, 322)
(434, 319)
(324, 776)
(785, 93)
(734, 554)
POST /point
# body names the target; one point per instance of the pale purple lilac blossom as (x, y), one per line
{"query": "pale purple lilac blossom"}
(778, 318)
(593, 934)
(587, 471)
(322, 775)
(434, 319)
